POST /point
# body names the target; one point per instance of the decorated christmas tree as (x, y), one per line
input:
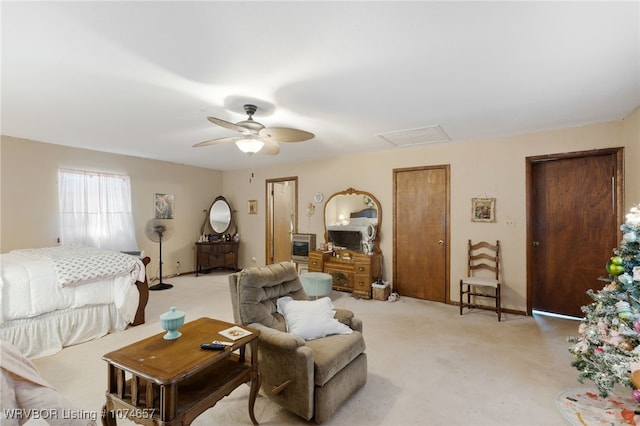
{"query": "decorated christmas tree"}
(607, 348)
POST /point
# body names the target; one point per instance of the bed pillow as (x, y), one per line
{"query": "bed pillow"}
(311, 319)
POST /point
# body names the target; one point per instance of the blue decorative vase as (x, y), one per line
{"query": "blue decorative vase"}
(172, 321)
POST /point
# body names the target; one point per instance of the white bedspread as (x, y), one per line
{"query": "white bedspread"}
(29, 287)
(79, 264)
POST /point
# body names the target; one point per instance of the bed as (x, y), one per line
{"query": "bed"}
(60, 296)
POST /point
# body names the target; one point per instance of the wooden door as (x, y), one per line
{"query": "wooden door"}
(575, 208)
(282, 218)
(421, 233)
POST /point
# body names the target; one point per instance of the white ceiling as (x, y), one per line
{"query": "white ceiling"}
(140, 78)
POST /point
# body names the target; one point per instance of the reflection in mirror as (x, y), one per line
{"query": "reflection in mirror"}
(351, 219)
(220, 215)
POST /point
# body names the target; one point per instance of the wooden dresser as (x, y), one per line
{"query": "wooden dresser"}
(216, 254)
(351, 271)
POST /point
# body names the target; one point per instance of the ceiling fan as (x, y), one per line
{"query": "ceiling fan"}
(255, 136)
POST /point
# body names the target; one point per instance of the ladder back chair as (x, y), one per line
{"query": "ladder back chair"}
(482, 255)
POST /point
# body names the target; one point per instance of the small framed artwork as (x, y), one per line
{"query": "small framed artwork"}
(252, 206)
(483, 209)
(163, 206)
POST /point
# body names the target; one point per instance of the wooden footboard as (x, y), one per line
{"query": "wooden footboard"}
(143, 289)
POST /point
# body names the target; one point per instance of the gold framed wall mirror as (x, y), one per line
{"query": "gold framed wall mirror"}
(351, 221)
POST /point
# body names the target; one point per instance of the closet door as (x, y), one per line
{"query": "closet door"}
(575, 212)
(421, 232)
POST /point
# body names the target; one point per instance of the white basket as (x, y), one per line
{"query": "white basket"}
(381, 291)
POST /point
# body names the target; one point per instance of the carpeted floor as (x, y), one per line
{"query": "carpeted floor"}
(427, 364)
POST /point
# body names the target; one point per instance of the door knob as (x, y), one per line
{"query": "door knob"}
(536, 244)
(440, 242)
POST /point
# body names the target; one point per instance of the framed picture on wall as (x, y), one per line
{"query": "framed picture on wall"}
(483, 210)
(163, 206)
(252, 206)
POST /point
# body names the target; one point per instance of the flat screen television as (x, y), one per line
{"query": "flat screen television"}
(351, 240)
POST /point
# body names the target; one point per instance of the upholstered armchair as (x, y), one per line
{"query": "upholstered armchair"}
(311, 378)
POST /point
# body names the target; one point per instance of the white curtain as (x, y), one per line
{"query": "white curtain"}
(95, 210)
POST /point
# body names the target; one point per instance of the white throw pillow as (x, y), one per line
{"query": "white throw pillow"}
(311, 319)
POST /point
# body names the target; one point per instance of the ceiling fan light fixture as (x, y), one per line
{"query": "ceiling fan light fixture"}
(250, 145)
(255, 136)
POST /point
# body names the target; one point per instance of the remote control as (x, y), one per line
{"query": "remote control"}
(212, 346)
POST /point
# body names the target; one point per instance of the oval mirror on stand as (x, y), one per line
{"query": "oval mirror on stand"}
(220, 216)
(220, 248)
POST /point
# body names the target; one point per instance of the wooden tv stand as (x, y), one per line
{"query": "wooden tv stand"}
(351, 271)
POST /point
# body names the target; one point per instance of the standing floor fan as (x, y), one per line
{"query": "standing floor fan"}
(158, 230)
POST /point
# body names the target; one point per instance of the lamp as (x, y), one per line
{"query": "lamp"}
(249, 145)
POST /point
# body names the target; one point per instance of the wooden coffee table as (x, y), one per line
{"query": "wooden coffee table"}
(170, 382)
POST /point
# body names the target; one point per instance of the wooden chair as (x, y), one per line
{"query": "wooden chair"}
(481, 255)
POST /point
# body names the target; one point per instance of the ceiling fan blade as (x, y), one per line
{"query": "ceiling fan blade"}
(285, 134)
(226, 124)
(270, 147)
(217, 141)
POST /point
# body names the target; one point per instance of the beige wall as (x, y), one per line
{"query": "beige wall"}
(492, 168)
(631, 140)
(29, 214)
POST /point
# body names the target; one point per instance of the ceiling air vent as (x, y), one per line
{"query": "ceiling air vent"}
(411, 137)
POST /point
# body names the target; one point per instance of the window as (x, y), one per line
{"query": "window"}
(95, 210)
